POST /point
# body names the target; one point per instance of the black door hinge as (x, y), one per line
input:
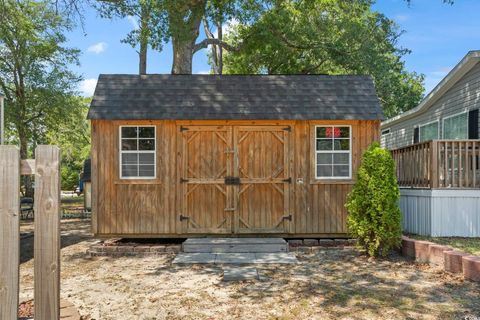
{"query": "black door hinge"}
(182, 217)
(182, 128)
(182, 180)
(288, 180)
(289, 129)
(289, 217)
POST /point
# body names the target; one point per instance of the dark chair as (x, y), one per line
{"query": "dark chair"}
(26, 208)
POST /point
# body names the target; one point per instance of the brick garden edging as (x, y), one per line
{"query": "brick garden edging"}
(311, 245)
(452, 260)
(129, 249)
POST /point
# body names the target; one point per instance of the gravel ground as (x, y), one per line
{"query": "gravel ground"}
(329, 284)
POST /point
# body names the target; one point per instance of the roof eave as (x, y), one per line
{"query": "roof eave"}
(464, 66)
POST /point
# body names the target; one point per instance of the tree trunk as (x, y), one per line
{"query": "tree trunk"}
(184, 19)
(182, 56)
(144, 35)
(219, 63)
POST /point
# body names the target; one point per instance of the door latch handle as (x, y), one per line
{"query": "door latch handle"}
(289, 217)
(182, 217)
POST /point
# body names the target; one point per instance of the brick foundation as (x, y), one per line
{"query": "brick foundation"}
(123, 250)
(312, 245)
(454, 261)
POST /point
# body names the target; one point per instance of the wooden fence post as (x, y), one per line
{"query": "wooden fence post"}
(47, 233)
(9, 231)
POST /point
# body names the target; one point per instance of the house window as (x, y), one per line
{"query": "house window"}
(428, 131)
(137, 152)
(333, 152)
(456, 126)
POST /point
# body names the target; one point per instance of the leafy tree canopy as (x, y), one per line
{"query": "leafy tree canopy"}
(35, 76)
(331, 37)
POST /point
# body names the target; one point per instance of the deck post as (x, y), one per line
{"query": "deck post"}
(434, 164)
(9, 231)
(47, 233)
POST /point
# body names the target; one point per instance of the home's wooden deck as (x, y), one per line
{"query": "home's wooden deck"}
(439, 164)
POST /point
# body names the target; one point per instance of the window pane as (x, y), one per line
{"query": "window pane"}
(456, 127)
(146, 144)
(146, 132)
(324, 144)
(428, 132)
(324, 158)
(129, 144)
(146, 171)
(324, 171)
(130, 158)
(321, 132)
(129, 132)
(342, 144)
(146, 158)
(341, 171)
(340, 158)
(129, 171)
(344, 132)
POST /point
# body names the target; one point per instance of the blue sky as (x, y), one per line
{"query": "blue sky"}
(438, 35)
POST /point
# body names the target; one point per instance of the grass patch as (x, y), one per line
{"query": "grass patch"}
(470, 245)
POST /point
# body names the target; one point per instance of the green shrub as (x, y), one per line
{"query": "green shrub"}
(374, 216)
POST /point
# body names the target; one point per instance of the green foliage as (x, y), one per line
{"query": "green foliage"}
(41, 106)
(73, 137)
(150, 15)
(327, 36)
(374, 216)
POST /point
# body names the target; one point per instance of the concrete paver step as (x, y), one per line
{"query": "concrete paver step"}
(235, 258)
(234, 245)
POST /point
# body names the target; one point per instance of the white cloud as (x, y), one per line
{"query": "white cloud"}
(203, 72)
(133, 22)
(87, 87)
(97, 47)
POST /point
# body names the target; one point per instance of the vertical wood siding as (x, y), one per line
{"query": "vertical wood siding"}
(153, 207)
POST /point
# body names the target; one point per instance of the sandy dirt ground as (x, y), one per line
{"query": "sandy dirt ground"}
(330, 284)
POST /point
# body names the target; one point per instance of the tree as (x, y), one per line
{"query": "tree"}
(151, 30)
(331, 37)
(34, 72)
(374, 216)
(73, 137)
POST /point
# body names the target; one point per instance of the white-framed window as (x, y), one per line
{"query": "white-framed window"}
(137, 152)
(456, 126)
(428, 131)
(333, 155)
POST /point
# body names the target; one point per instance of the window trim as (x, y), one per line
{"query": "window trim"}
(426, 124)
(452, 116)
(121, 152)
(333, 151)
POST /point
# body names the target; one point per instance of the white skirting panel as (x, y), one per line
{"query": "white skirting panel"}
(441, 212)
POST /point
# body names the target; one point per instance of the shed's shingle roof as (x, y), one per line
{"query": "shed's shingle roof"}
(242, 97)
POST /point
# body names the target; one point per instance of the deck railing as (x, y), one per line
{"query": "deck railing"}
(439, 164)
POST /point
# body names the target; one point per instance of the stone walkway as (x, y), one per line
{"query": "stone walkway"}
(235, 258)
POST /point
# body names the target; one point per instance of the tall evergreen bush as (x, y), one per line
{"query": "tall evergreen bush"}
(374, 216)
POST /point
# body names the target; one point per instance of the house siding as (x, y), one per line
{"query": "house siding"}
(462, 97)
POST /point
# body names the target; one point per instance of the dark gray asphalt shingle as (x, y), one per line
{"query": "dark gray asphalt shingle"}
(236, 97)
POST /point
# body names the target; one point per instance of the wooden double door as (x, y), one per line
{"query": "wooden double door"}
(235, 179)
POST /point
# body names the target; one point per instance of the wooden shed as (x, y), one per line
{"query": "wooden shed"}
(202, 155)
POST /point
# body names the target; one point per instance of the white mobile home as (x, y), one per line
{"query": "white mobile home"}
(437, 152)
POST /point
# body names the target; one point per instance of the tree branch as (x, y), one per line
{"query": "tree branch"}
(206, 42)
